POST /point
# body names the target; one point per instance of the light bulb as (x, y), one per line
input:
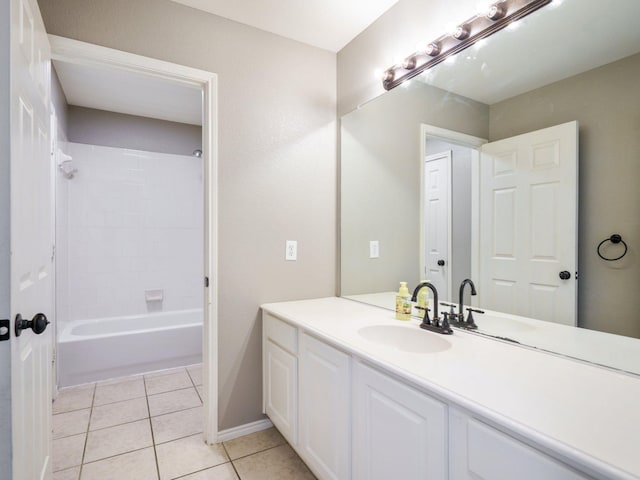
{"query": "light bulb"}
(461, 32)
(496, 12)
(432, 49)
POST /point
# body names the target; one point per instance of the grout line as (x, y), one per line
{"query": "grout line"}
(258, 451)
(116, 455)
(230, 461)
(153, 438)
(86, 436)
(118, 401)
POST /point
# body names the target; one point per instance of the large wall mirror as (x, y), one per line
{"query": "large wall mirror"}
(575, 64)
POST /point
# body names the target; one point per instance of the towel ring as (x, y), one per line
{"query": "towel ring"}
(615, 238)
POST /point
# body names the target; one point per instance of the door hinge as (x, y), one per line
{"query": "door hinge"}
(5, 330)
(206, 282)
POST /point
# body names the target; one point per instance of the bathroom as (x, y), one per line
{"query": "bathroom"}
(129, 225)
(278, 149)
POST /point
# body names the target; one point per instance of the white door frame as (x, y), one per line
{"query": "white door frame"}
(474, 143)
(81, 53)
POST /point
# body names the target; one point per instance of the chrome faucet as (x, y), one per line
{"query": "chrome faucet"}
(469, 323)
(435, 325)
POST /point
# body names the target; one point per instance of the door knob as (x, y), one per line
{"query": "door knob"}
(38, 324)
(564, 275)
(441, 263)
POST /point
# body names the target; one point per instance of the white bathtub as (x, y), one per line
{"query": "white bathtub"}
(92, 350)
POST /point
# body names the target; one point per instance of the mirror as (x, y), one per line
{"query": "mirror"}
(570, 61)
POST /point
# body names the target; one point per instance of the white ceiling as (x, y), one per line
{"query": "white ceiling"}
(130, 93)
(326, 24)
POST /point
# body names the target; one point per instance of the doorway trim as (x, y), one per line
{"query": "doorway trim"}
(465, 140)
(81, 53)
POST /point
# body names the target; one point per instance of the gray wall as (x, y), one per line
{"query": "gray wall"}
(110, 129)
(380, 181)
(277, 154)
(5, 291)
(606, 103)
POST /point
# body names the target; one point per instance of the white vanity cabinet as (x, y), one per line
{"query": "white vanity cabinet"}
(280, 376)
(353, 412)
(325, 403)
(481, 452)
(398, 432)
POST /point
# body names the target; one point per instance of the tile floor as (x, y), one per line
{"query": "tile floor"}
(149, 427)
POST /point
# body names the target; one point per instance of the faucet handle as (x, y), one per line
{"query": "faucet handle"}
(452, 307)
(426, 319)
(470, 323)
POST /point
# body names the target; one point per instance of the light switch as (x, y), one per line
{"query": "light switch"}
(291, 250)
(374, 249)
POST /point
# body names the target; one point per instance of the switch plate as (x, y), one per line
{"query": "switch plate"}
(374, 249)
(291, 250)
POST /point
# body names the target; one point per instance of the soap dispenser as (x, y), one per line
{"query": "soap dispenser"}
(403, 303)
(422, 301)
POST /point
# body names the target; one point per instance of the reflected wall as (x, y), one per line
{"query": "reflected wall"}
(380, 175)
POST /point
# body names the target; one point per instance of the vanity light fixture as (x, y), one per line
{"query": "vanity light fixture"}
(499, 15)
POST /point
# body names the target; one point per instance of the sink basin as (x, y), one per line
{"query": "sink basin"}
(407, 339)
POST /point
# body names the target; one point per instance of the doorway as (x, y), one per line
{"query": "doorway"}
(449, 162)
(170, 78)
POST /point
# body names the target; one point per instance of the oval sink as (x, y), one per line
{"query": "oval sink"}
(407, 339)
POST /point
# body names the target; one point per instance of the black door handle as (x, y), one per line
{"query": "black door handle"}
(564, 275)
(38, 324)
(441, 263)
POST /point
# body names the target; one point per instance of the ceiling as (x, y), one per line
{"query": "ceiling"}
(127, 92)
(326, 24)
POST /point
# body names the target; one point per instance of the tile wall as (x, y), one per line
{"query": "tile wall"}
(130, 222)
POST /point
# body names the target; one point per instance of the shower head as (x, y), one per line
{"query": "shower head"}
(67, 169)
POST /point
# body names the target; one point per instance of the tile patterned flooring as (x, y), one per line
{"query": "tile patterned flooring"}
(149, 427)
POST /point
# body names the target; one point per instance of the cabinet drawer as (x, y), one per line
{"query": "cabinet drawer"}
(280, 333)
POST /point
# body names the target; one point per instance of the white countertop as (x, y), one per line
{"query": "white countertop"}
(613, 351)
(586, 414)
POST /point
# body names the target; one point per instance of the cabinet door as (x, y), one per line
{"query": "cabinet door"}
(281, 389)
(398, 432)
(480, 452)
(325, 436)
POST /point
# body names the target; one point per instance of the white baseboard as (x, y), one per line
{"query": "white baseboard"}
(246, 429)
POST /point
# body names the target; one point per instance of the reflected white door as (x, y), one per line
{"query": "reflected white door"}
(31, 241)
(437, 221)
(528, 224)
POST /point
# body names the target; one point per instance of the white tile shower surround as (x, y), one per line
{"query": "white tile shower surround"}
(149, 427)
(129, 221)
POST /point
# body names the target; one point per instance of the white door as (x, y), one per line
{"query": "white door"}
(437, 221)
(528, 224)
(31, 241)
